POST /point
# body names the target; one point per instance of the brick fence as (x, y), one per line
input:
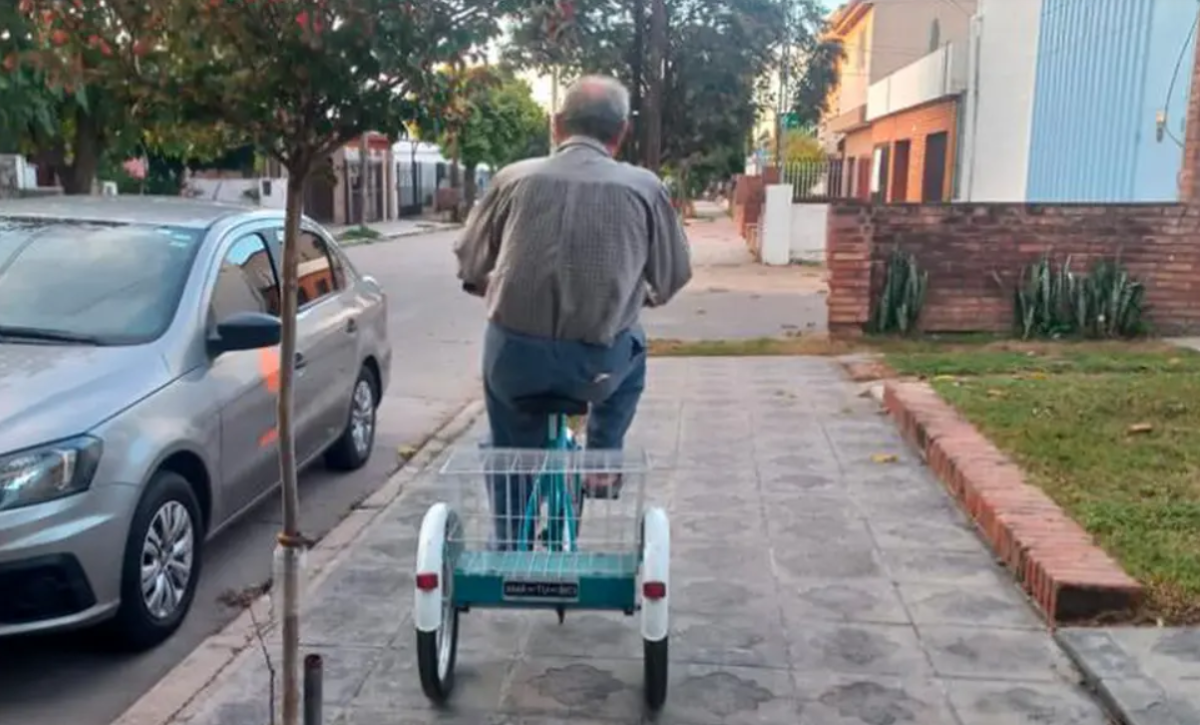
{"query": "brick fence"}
(966, 247)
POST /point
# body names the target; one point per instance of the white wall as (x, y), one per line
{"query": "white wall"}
(940, 73)
(808, 232)
(233, 191)
(999, 101)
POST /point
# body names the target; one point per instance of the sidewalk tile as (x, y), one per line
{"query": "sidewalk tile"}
(859, 700)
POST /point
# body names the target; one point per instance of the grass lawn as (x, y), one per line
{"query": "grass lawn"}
(1110, 431)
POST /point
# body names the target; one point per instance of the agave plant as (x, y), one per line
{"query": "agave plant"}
(1054, 302)
(898, 307)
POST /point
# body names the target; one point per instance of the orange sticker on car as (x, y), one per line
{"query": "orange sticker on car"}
(268, 365)
(269, 438)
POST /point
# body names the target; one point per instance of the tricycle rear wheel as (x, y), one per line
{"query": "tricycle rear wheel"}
(437, 653)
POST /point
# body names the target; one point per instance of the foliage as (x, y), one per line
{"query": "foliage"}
(800, 147)
(817, 78)
(70, 95)
(484, 115)
(899, 305)
(717, 57)
(1054, 301)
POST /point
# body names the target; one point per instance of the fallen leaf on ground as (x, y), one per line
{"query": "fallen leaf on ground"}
(943, 378)
(406, 452)
(884, 457)
(994, 393)
(1140, 428)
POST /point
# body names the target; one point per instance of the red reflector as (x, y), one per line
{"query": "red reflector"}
(654, 590)
(427, 582)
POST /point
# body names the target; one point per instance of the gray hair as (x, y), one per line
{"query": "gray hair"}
(596, 107)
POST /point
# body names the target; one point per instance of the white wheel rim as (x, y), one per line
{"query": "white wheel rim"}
(168, 552)
(445, 633)
(362, 417)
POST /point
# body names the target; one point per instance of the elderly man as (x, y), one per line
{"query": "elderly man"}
(567, 249)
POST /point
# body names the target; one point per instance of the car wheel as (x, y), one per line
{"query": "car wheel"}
(352, 449)
(162, 563)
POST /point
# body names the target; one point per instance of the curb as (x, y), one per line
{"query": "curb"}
(1051, 556)
(204, 666)
(399, 235)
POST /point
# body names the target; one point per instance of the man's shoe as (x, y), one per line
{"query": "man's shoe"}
(602, 486)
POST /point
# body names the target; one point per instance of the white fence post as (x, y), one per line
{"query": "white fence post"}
(775, 231)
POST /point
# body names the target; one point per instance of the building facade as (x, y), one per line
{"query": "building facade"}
(894, 118)
(1077, 100)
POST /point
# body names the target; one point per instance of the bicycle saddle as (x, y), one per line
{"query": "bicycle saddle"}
(552, 405)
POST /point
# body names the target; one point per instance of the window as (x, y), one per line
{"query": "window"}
(246, 281)
(115, 284)
(318, 268)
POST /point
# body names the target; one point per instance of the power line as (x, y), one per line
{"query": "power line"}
(1166, 125)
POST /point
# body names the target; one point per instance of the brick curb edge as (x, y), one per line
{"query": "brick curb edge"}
(1051, 556)
(183, 685)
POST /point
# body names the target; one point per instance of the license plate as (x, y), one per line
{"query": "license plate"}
(541, 591)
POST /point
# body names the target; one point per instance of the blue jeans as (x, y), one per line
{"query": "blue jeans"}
(517, 366)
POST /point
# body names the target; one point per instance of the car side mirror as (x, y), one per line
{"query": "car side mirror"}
(246, 331)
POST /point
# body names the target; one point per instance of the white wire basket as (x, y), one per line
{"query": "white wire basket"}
(595, 529)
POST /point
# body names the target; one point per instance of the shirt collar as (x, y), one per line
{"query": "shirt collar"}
(584, 141)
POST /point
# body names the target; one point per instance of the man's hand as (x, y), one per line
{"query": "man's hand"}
(479, 289)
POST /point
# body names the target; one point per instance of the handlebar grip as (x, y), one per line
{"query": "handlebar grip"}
(471, 288)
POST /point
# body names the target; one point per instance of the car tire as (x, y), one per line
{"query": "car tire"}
(352, 449)
(170, 512)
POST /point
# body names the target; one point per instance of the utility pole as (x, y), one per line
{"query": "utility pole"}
(654, 89)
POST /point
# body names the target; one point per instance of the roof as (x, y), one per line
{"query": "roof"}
(847, 16)
(166, 210)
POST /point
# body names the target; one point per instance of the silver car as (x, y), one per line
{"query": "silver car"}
(139, 365)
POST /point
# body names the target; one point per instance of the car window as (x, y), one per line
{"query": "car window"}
(117, 284)
(319, 270)
(246, 281)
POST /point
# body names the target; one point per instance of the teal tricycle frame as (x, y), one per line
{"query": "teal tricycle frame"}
(540, 570)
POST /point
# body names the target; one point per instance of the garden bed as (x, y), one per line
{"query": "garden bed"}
(1109, 431)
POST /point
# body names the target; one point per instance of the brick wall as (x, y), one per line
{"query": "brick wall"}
(964, 245)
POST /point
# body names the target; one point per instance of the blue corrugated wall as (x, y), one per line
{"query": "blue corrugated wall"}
(1103, 71)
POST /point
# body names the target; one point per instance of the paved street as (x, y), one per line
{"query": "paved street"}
(435, 330)
(810, 585)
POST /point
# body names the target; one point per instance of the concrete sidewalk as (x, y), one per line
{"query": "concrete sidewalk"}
(815, 582)
(732, 296)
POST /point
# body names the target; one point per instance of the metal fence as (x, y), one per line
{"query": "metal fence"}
(817, 180)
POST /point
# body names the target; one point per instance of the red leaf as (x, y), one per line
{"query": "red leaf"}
(59, 38)
(302, 19)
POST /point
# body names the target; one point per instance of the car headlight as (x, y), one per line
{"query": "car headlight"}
(37, 475)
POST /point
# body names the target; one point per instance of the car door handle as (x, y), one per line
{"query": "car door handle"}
(351, 326)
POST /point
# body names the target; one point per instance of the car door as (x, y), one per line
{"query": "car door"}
(247, 381)
(326, 344)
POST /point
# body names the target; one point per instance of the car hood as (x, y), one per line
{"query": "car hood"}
(49, 392)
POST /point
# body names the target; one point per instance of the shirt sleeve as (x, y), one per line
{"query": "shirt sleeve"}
(479, 245)
(669, 264)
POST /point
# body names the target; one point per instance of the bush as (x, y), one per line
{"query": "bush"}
(899, 305)
(1053, 302)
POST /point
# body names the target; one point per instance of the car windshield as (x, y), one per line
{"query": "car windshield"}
(104, 284)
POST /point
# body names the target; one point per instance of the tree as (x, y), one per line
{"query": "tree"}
(299, 79)
(818, 77)
(716, 60)
(69, 97)
(799, 147)
(492, 118)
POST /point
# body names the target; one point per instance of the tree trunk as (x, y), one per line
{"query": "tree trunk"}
(637, 71)
(654, 86)
(364, 155)
(469, 190)
(416, 177)
(78, 176)
(290, 541)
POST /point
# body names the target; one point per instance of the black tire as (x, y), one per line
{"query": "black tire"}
(656, 673)
(437, 687)
(135, 627)
(345, 454)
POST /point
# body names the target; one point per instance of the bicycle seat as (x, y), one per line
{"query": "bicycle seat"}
(552, 405)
